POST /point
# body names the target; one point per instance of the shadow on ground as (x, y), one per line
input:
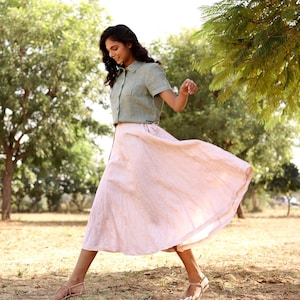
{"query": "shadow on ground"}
(165, 284)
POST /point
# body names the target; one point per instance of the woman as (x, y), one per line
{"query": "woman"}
(157, 193)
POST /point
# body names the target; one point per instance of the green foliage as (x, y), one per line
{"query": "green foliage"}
(49, 65)
(49, 81)
(40, 185)
(255, 48)
(286, 181)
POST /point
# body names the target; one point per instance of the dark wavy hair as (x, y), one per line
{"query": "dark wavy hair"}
(120, 33)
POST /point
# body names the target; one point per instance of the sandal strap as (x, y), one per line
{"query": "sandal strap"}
(203, 284)
(74, 286)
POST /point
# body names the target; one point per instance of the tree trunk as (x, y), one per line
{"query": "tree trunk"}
(240, 212)
(254, 203)
(289, 207)
(6, 192)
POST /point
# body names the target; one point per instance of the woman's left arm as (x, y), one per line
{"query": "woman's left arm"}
(178, 102)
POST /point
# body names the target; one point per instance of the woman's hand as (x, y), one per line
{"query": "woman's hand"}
(178, 102)
(188, 87)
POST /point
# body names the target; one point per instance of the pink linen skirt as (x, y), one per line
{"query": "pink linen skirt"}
(158, 192)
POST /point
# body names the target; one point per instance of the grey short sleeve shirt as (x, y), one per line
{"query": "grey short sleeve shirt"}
(134, 96)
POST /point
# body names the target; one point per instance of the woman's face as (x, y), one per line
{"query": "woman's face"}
(120, 52)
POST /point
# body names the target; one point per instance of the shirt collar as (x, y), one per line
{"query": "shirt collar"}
(134, 66)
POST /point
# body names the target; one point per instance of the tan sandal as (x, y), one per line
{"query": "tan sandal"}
(203, 285)
(69, 291)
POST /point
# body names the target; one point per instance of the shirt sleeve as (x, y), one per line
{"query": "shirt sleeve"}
(156, 80)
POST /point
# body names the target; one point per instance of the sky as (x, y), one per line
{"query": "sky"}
(296, 159)
(155, 18)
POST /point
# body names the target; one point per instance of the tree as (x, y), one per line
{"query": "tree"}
(78, 175)
(75, 172)
(49, 73)
(256, 48)
(286, 181)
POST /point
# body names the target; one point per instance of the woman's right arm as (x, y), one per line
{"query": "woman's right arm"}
(178, 102)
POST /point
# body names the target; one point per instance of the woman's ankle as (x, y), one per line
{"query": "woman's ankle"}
(196, 277)
(74, 281)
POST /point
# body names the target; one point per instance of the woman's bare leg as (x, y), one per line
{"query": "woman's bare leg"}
(194, 273)
(83, 263)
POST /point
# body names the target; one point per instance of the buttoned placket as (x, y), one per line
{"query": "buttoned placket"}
(124, 73)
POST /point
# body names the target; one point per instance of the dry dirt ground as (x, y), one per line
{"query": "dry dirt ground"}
(255, 258)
